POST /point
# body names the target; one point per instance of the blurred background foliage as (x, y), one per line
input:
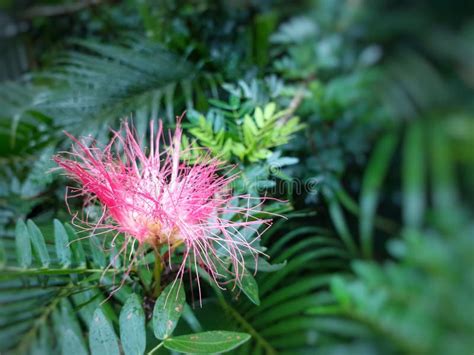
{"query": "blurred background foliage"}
(357, 112)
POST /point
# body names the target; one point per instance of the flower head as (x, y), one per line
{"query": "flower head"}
(155, 197)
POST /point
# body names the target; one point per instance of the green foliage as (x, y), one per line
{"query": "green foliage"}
(425, 274)
(49, 283)
(353, 118)
(248, 137)
(23, 129)
(421, 303)
(104, 81)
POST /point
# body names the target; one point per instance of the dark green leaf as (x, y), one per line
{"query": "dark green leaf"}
(413, 176)
(61, 239)
(23, 244)
(207, 342)
(71, 343)
(38, 242)
(444, 194)
(132, 326)
(68, 329)
(339, 290)
(102, 338)
(97, 252)
(249, 286)
(168, 309)
(337, 217)
(76, 246)
(372, 181)
(42, 345)
(263, 265)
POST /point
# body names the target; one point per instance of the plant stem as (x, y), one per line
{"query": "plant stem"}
(156, 348)
(158, 269)
(11, 270)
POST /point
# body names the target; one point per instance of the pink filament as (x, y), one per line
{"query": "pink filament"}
(155, 196)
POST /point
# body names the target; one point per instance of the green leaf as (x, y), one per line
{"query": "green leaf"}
(23, 244)
(250, 125)
(259, 117)
(68, 330)
(76, 246)
(371, 183)
(132, 326)
(102, 338)
(61, 239)
(263, 265)
(285, 292)
(38, 242)
(168, 309)
(69, 319)
(249, 286)
(71, 343)
(413, 177)
(269, 110)
(43, 342)
(339, 221)
(339, 290)
(207, 342)
(221, 104)
(97, 252)
(444, 194)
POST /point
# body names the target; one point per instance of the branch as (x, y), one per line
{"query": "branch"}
(294, 103)
(17, 271)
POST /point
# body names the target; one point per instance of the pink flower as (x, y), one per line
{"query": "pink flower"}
(155, 198)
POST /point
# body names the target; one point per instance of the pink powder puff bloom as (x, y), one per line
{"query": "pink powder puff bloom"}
(155, 197)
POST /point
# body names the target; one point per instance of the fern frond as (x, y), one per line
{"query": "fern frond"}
(37, 289)
(99, 82)
(286, 321)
